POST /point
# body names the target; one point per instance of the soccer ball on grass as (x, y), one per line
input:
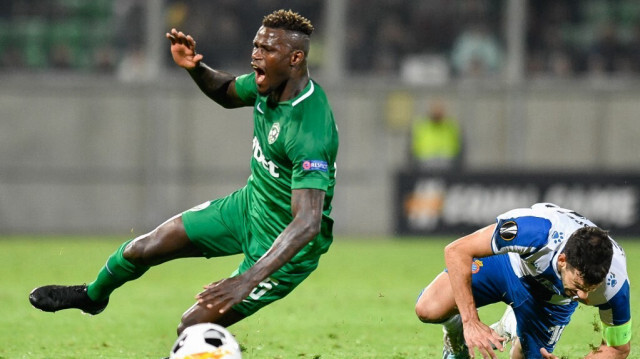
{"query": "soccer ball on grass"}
(205, 341)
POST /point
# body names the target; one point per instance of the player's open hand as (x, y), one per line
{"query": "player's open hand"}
(183, 49)
(224, 294)
(546, 354)
(480, 336)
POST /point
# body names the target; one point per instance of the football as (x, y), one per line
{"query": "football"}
(205, 341)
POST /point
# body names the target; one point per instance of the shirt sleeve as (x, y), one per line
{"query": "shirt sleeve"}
(246, 88)
(312, 149)
(522, 234)
(617, 310)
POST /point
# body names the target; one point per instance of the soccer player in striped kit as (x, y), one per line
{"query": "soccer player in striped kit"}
(541, 261)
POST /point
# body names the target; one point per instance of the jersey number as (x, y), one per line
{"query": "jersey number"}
(556, 332)
(262, 288)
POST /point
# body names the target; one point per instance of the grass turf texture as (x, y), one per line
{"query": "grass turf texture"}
(358, 304)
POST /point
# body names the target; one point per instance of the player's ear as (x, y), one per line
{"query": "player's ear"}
(297, 57)
(562, 260)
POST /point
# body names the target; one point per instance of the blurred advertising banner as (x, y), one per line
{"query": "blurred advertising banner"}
(460, 203)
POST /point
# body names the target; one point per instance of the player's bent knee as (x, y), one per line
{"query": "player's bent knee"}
(434, 310)
(135, 252)
(429, 313)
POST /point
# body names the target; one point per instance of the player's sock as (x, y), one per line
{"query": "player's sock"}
(454, 345)
(507, 325)
(453, 324)
(115, 273)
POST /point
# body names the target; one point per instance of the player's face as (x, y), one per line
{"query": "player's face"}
(574, 285)
(270, 59)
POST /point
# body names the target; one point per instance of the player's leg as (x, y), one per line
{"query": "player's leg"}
(436, 303)
(265, 293)
(168, 241)
(234, 237)
(516, 349)
(217, 228)
(539, 325)
(490, 282)
(506, 327)
(130, 261)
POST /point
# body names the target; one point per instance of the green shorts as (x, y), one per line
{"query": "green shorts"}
(219, 228)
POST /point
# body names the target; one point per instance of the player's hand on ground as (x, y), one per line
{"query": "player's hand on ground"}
(183, 49)
(225, 293)
(546, 354)
(480, 336)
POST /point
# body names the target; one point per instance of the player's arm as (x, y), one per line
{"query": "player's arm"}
(616, 325)
(306, 205)
(616, 339)
(217, 85)
(458, 257)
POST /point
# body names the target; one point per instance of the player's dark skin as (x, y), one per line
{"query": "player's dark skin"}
(280, 56)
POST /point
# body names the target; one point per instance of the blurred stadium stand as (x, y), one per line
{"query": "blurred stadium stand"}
(563, 37)
(100, 132)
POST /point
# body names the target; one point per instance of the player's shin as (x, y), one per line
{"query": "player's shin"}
(115, 273)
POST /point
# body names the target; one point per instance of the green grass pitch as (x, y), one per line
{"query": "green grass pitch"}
(358, 304)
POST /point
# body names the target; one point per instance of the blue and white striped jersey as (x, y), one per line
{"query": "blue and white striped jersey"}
(534, 238)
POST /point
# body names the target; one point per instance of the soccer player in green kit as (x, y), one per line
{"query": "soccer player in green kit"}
(279, 220)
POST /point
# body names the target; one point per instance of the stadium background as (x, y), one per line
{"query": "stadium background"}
(100, 133)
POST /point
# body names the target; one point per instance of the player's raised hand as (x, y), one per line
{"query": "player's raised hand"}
(546, 354)
(480, 336)
(183, 49)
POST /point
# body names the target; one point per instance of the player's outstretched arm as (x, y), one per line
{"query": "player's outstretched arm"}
(458, 257)
(217, 85)
(306, 206)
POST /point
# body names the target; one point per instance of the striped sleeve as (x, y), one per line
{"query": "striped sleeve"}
(523, 234)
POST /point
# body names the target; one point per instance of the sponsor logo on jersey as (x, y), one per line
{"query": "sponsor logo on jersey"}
(259, 156)
(315, 165)
(273, 134)
(475, 266)
(508, 230)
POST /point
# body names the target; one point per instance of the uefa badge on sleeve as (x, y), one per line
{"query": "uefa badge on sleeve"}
(508, 230)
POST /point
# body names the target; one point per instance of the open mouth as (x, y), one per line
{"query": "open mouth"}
(260, 74)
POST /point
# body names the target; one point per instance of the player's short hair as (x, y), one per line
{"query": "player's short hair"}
(288, 20)
(590, 251)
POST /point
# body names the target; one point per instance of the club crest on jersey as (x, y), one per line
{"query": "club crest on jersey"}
(475, 266)
(273, 134)
(508, 230)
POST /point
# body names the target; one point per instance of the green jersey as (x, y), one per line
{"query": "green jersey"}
(295, 144)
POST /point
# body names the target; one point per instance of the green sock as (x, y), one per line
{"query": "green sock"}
(116, 272)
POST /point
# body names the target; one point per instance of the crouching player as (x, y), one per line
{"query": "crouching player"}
(541, 261)
(612, 300)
